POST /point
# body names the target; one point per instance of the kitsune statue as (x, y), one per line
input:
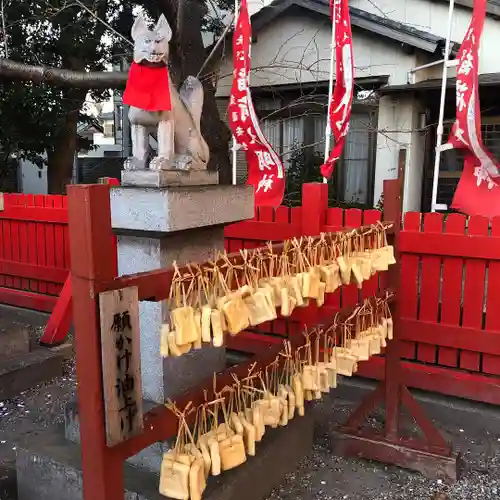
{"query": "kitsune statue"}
(155, 103)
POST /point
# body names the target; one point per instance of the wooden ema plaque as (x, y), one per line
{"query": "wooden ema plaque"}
(121, 364)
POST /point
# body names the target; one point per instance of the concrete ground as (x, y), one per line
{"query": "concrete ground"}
(474, 430)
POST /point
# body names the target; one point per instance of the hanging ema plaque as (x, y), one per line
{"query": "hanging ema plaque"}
(121, 364)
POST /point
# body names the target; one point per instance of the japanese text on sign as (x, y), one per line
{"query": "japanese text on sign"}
(121, 363)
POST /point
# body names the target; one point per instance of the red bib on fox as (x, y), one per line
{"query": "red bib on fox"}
(148, 88)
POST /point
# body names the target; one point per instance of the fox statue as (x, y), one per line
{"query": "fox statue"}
(155, 103)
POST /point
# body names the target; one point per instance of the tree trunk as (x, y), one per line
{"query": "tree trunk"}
(187, 57)
(61, 159)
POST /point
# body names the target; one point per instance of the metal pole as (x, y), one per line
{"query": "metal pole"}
(328, 130)
(235, 144)
(439, 138)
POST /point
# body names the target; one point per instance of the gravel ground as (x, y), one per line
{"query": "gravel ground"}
(323, 476)
(29, 414)
(320, 476)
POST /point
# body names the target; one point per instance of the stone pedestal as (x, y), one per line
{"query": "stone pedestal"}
(155, 227)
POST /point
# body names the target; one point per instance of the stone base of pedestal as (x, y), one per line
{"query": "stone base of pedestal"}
(49, 467)
(169, 178)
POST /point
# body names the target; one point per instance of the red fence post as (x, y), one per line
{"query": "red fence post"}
(92, 261)
(313, 218)
(314, 207)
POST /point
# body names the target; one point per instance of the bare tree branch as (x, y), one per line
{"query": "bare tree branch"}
(13, 70)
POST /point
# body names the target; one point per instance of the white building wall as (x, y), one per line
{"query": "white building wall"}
(300, 53)
(296, 49)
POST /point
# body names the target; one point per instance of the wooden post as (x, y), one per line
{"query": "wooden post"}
(60, 320)
(393, 368)
(314, 207)
(313, 218)
(91, 245)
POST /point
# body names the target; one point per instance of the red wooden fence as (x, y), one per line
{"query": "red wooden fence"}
(450, 276)
(34, 251)
(311, 218)
(450, 309)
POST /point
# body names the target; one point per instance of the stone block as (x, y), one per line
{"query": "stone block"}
(163, 378)
(49, 467)
(166, 210)
(22, 372)
(149, 458)
(169, 178)
(14, 340)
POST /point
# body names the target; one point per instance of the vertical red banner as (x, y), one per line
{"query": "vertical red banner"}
(477, 192)
(265, 170)
(341, 103)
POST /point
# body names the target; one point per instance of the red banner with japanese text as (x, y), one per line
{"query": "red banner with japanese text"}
(341, 103)
(477, 192)
(265, 170)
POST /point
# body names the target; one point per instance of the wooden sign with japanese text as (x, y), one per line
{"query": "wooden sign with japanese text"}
(121, 364)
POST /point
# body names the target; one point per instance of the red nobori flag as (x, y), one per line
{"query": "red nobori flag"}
(265, 170)
(477, 192)
(341, 103)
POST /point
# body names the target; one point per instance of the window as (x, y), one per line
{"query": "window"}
(303, 125)
(109, 129)
(353, 173)
(356, 160)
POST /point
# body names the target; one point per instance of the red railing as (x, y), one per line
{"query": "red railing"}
(450, 275)
(450, 314)
(34, 250)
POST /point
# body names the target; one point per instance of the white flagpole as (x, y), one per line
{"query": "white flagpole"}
(235, 145)
(328, 131)
(439, 135)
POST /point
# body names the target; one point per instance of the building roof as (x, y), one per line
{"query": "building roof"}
(378, 25)
(485, 80)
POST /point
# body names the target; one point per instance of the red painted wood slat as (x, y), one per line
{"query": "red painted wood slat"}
(430, 285)
(475, 273)
(350, 293)
(454, 245)
(30, 272)
(32, 248)
(409, 279)
(28, 300)
(22, 228)
(35, 214)
(491, 364)
(40, 242)
(451, 296)
(453, 336)
(50, 249)
(15, 247)
(440, 380)
(2, 241)
(370, 287)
